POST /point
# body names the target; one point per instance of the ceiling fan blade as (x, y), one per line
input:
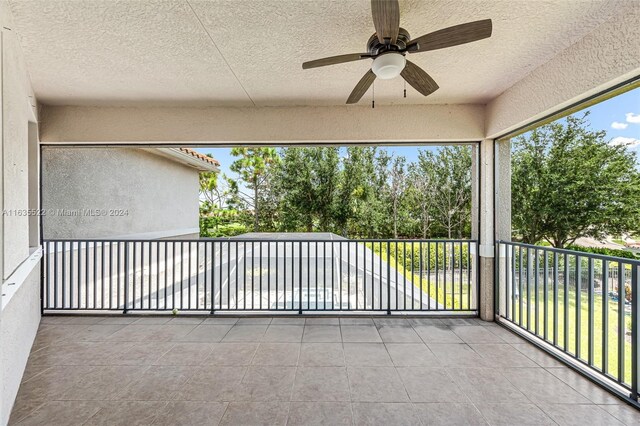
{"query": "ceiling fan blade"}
(386, 19)
(361, 88)
(332, 60)
(452, 36)
(419, 79)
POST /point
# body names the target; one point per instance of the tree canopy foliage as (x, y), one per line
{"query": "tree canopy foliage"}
(361, 192)
(252, 167)
(569, 182)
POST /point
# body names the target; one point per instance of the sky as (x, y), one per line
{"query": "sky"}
(618, 116)
(223, 155)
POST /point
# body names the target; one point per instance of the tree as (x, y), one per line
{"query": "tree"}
(216, 192)
(421, 192)
(295, 184)
(269, 199)
(362, 208)
(451, 169)
(252, 168)
(209, 192)
(397, 186)
(350, 191)
(356, 191)
(308, 180)
(325, 173)
(569, 182)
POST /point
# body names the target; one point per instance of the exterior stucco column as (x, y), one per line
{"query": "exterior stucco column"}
(3, 395)
(482, 228)
(2, 275)
(503, 215)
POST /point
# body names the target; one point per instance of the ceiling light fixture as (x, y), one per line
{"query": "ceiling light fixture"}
(389, 65)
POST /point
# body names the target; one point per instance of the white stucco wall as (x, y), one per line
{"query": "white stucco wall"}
(16, 117)
(608, 55)
(160, 196)
(20, 316)
(269, 125)
(18, 326)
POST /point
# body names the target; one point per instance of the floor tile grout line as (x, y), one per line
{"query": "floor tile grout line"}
(545, 413)
(29, 413)
(47, 367)
(415, 410)
(91, 417)
(547, 369)
(516, 388)
(226, 407)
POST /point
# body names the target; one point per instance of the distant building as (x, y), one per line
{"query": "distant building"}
(121, 192)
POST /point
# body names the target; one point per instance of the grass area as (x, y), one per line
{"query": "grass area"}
(618, 241)
(408, 265)
(577, 347)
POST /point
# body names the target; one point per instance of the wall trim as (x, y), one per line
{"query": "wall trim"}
(156, 235)
(12, 284)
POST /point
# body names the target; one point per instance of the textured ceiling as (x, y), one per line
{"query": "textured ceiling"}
(244, 53)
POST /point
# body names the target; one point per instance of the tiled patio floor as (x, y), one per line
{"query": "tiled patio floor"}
(387, 371)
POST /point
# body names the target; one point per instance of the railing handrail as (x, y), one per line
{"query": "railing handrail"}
(263, 240)
(585, 254)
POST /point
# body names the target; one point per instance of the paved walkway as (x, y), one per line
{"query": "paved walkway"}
(223, 370)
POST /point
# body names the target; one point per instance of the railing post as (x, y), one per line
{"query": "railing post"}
(213, 278)
(635, 335)
(389, 278)
(44, 271)
(126, 276)
(496, 278)
(300, 278)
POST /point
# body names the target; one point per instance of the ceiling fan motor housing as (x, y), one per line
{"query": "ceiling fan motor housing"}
(374, 47)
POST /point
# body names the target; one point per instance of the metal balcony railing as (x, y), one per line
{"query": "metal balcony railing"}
(581, 306)
(235, 274)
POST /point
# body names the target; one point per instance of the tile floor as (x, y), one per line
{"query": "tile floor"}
(299, 371)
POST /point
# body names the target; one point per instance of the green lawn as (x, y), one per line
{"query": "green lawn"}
(450, 298)
(598, 350)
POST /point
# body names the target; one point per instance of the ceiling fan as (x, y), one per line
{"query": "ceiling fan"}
(390, 43)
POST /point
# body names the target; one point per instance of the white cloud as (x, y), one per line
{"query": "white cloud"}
(628, 142)
(619, 126)
(633, 118)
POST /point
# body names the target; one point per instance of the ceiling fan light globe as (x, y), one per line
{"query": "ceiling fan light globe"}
(388, 66)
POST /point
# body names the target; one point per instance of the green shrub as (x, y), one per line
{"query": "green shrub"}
(230, 230)
(433, 254)
(604, 251)
(210, 227)
(208, 224)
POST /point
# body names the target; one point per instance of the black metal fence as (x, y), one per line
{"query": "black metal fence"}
(234, 274)
(581, 303)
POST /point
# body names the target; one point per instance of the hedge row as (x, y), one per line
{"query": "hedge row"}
(604, 251)
(433, 254)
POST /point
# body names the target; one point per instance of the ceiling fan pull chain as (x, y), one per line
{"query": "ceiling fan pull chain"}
(373, 92)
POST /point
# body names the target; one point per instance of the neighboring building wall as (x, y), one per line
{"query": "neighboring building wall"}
(160, 196)
(20, 302)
